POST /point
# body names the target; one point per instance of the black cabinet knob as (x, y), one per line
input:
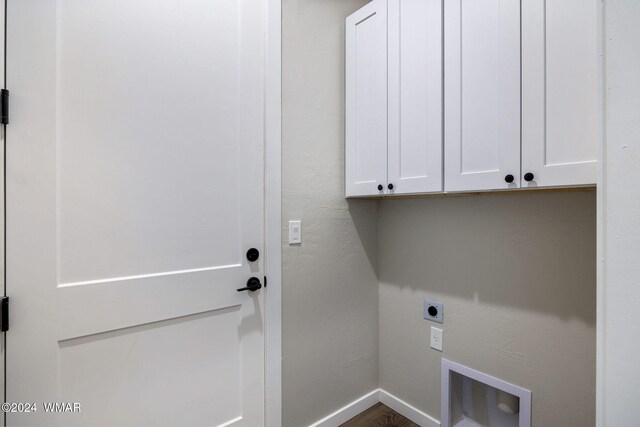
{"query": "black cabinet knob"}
(253, 254)
(253, 284)
(528, 176)
(390, 186)
(509, 178)
(380, 187)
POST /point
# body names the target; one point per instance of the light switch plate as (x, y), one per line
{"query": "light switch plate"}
(433, 310)
(295, 232)
(436, 338)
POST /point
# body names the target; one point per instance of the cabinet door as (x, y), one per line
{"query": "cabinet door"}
(415, 96)
(482, 94)
(366, 100)
(560, 91)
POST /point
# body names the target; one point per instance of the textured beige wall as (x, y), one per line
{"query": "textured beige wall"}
(330, 290)
(517, 276)
(621, 385)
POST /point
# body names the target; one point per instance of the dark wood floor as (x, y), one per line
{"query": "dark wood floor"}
(379, 415)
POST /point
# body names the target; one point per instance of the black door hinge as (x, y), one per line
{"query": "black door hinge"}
(4, 106)
(265, 281)
(4, 314)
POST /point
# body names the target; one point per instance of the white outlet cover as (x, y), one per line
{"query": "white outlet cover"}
(436, 338)
(295, 232)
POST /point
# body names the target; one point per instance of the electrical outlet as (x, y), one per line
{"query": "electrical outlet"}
(433, 310)
(436, 338)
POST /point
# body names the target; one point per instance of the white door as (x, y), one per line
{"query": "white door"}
(482, 94)
(366, 101)
(560, 92)
(134, 190)
(415, 96)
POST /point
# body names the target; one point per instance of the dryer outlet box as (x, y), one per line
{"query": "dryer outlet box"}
(433, 310)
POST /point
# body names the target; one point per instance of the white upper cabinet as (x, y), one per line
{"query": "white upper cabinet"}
(560, 92)
(472, 95)
(482, 94)
(366, 100)
(415, 96)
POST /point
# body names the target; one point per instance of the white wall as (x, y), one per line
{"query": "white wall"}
(621, 298)
(330, 319)
(517, 276)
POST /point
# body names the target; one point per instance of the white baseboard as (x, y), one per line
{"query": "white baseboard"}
(345, 413)
(349, 411)
(406, 410)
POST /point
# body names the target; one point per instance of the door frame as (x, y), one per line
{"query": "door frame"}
(273, 215)
(3, 244)
(601, 223)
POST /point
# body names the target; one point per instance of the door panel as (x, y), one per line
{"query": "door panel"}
(560, 91)
(146, 141)
(482, 94)
(136, 374)
(366, 100)
(134, 189)
(415, 96)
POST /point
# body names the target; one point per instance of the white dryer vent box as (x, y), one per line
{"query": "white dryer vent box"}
(471, 399)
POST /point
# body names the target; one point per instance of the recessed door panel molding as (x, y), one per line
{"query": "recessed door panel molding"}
(192, 369)
(113, 156)
(415, 96)
(366, 100)
(560, 91)
(135, 179)
(482, 94)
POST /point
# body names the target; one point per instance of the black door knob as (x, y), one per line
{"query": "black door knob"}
(253, 284)
(528, 176)
(380, 187)
(509, 178)
(253, 254)
(390, 186)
